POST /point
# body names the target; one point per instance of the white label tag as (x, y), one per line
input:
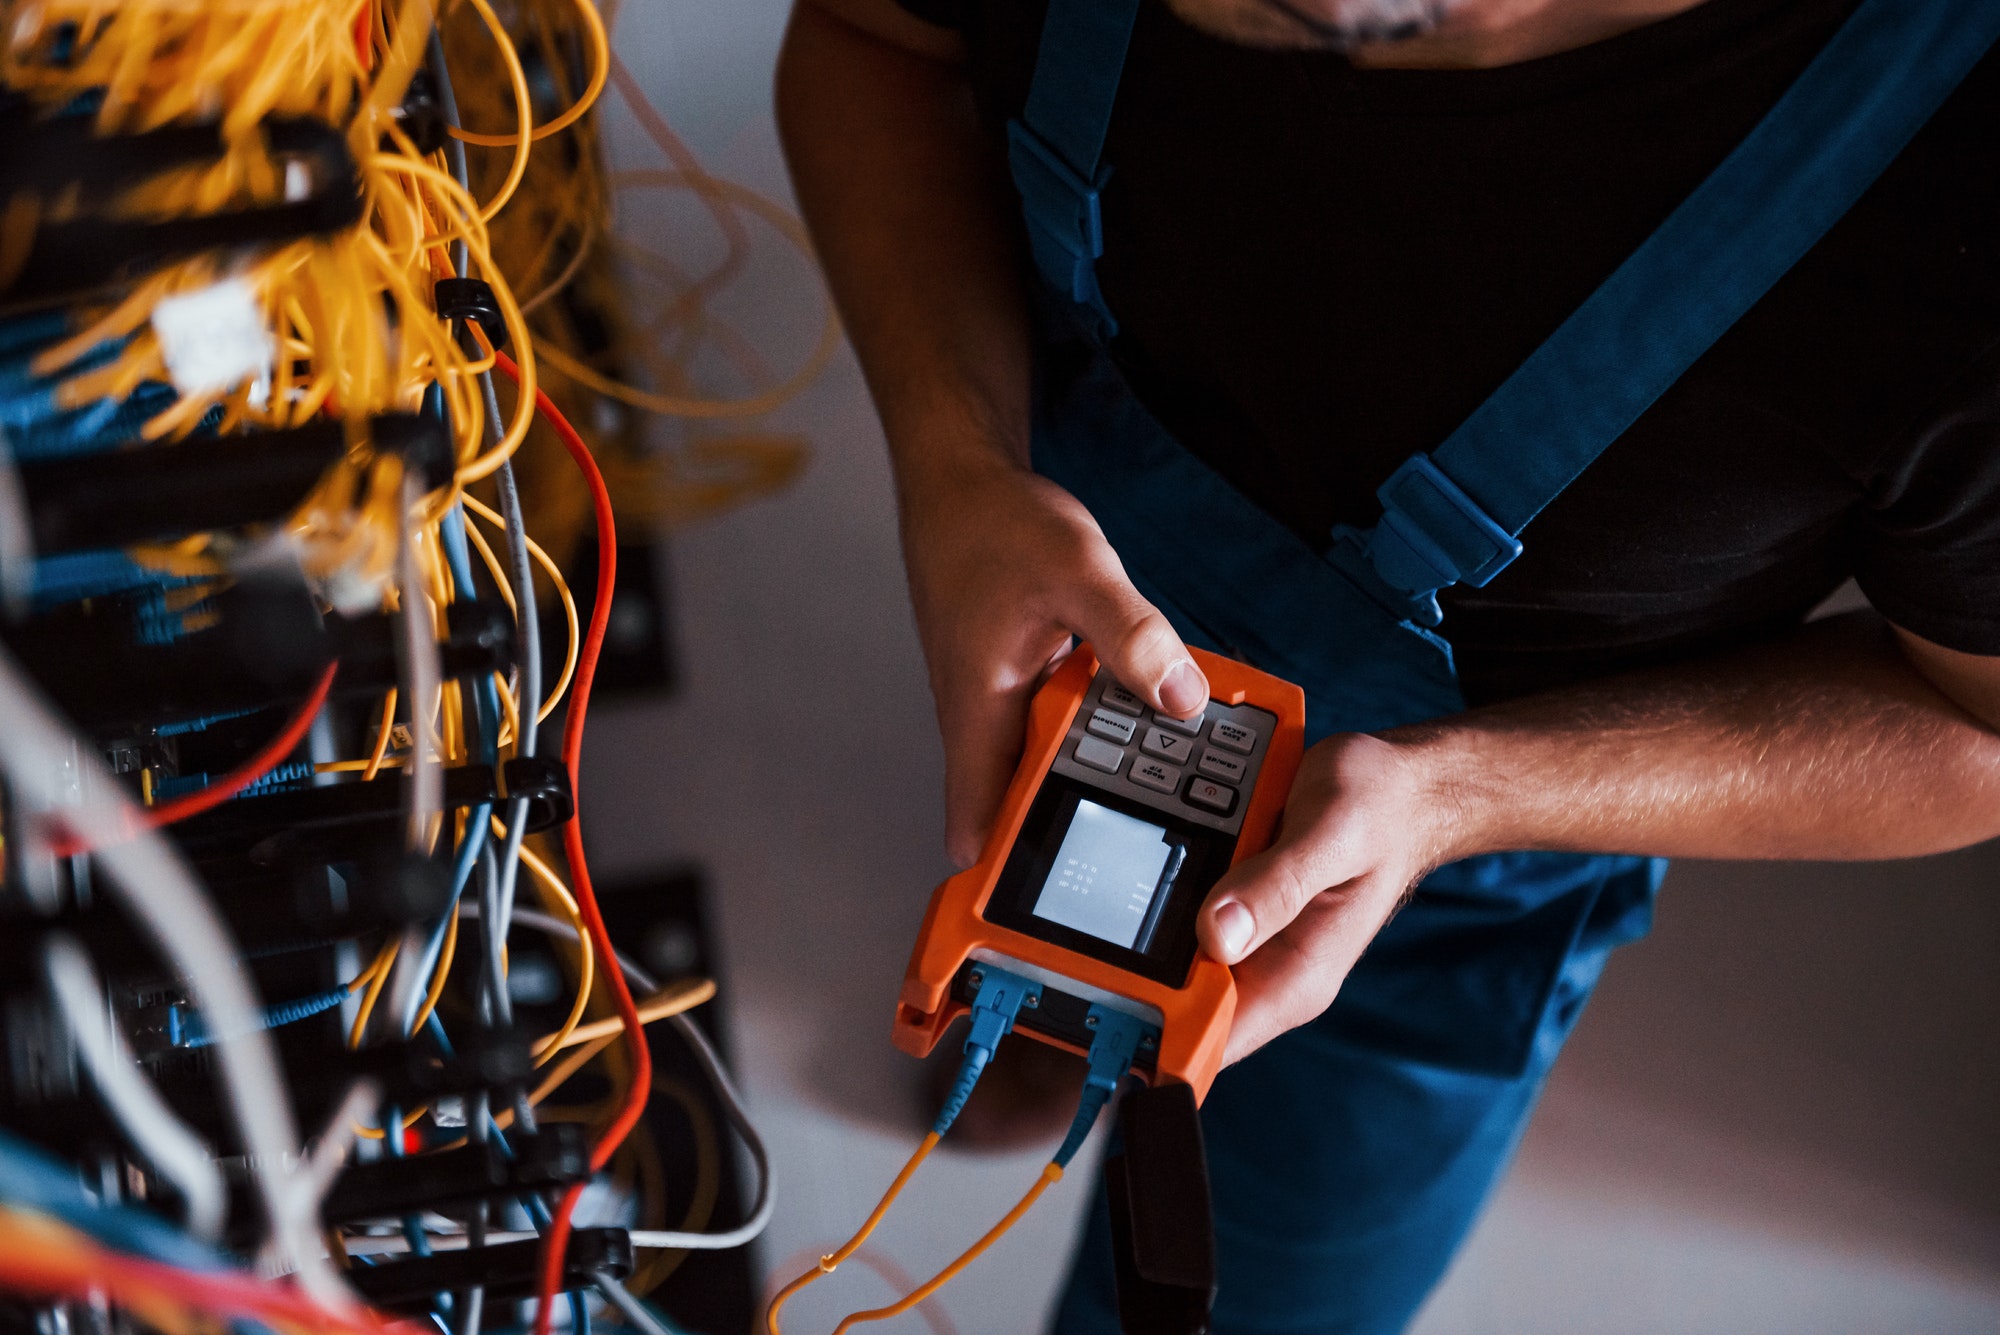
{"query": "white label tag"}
(213, 340)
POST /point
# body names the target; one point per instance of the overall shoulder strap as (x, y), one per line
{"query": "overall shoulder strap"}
(1456, 515)
(1055, 147)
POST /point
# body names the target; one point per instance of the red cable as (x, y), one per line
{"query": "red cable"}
(556, 1242)
(232, 783)
(140, 1284)
(364, 34)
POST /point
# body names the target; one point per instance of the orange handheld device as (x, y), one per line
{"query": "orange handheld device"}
(1116, 826)
(1077, 924)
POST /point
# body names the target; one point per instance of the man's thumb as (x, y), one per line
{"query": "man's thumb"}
(1137, 645)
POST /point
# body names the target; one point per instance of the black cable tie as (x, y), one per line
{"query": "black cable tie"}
(544, 782)
(472, 299)
(420, 116)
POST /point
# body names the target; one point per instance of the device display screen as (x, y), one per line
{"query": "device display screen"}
(1110, 878)
(1111, 874)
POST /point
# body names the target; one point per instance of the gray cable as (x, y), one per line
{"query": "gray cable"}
(497, 877)
(725, 1089)
(499, 1004)
(638, 977)
(175, 1152)
(732, 1102)
(492, 997)
(454, 148)
(629, 1306)
(527, 614)
(527, 620)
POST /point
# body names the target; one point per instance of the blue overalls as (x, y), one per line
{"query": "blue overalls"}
(1350, 1157)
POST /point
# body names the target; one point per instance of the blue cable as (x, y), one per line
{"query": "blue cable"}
(436, 1026)
(461, 874)
(537, 1209)
(31, 1179)
(1116, 1042)
(413, 1226)
(486, 704)
(997, 1000)
(486, 709)
(486, 699)
(187, 1029)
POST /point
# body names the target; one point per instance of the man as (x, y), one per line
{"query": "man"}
(1331, 229)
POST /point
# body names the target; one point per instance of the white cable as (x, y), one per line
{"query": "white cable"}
(409, 980)
(163, 897)
(395, 1244)
(329, 1152)
(767, 1197)
(175, 1152)
(725, 1089)
(422, 676)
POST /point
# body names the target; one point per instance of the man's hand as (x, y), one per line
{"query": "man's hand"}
(913, 221)
(1842, 741)
(1004, 568)
(1364, 823)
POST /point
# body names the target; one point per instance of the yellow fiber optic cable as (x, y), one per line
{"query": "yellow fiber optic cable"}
(550, 569)
(523, 137)
(671, 1000)
(1051, 1174)
(600, 72)
(546, 877)
(832, 1260)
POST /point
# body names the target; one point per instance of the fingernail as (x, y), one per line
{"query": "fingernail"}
(1183, 691)
(1233, 928)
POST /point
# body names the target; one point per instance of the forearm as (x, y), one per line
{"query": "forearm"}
(900, 189)
(1826, 745)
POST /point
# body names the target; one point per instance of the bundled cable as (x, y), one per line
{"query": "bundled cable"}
(340, 217)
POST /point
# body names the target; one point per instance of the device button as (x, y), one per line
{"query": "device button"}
(1166, 746)
(1215, 796)
(1156, 774)
(1234, 736)
(1190, 726)
(1114, 727)
(1099, 755)
(1121, 699)
(1219, 766)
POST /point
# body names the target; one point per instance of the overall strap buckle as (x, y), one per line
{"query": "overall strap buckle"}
(1065, 219)
(1432, 535)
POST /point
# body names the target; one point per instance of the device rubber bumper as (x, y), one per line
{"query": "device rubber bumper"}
(1195, 1017)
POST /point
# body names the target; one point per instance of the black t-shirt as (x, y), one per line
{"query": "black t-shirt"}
(1320, 270)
